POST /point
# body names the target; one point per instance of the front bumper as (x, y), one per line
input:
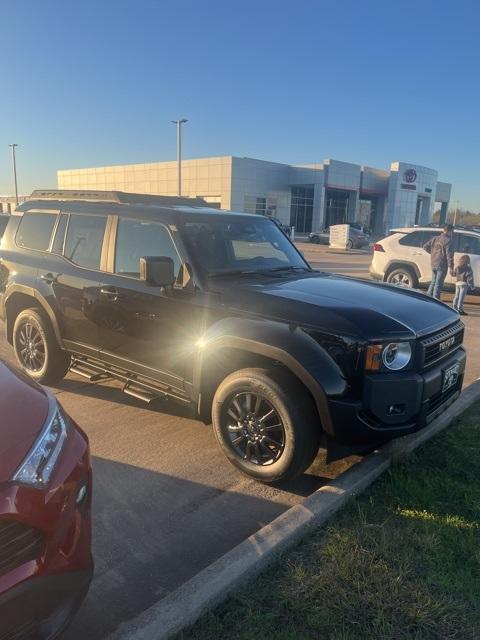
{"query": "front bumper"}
(42, 607)
(418, 396)
(40, 593)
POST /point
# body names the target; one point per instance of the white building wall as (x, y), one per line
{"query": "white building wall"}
(402, 201)
(261, 179)
(210, 178)
(227, 181)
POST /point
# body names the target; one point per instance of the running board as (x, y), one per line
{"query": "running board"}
(91, 374)
(141, 394)
(143, 389)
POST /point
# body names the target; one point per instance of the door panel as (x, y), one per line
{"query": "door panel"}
(153, 327)
(78, 277)
(411, 247)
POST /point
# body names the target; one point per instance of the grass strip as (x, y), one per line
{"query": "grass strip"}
(401, 561)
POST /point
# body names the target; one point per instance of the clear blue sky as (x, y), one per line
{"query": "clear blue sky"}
(96, 82)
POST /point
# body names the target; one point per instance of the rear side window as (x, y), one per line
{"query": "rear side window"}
(413, 239)
(84, 241)
(417, 238)
(35, 230)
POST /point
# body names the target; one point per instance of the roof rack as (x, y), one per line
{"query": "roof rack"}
(120, 197)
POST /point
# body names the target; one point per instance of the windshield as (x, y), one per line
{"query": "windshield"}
(241, 245)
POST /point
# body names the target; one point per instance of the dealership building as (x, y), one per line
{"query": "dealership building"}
(307, 197)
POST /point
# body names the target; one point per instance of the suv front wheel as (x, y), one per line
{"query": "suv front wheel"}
(36, 348)
(265, 423)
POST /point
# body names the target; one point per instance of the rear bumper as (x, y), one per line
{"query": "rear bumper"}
(418, 398)
(374, 274)
(42, 607)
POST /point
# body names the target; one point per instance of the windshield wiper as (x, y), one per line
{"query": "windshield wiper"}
(286, 268)
(231, 272)
(253, 272)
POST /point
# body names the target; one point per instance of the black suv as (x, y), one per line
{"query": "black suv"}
(219, 310)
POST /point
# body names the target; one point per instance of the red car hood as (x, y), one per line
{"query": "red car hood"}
(23, 411)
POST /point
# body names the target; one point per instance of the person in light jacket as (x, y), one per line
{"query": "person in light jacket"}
(441, 252)
(464, 275)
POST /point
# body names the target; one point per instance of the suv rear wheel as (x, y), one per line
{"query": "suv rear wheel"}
(265, 423)
(403, 277)
(36, 348)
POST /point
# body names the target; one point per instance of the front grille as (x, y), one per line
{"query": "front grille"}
(441, 344)
(18, 544)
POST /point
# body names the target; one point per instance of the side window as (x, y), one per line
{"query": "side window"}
(467, 244)
(137, 239)
(58, 240)
(414, 239)
(35, 230)
(428, 235)
(84, 241)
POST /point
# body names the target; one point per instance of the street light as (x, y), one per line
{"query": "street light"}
(179, 123)
(14, 170)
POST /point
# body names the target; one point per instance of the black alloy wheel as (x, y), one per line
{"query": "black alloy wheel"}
(255, 428)
(31, 347)
(37, 349)
(266, 423)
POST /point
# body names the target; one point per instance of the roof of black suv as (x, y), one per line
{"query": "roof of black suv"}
(122, 203)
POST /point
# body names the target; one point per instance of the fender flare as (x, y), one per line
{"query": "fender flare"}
(393, 264)
(289, 345)
(41, 302)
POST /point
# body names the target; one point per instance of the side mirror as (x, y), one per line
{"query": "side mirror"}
(157, 271)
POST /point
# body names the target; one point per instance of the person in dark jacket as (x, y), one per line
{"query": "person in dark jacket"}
(464, 275)
(441, 252)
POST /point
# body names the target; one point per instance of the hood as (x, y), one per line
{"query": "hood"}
(23, 411)
(341, 305)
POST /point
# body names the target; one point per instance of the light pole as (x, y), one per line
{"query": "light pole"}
(14, 170)
(179, 123)
(455, 216)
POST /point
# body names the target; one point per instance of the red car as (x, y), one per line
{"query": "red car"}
(45, 501)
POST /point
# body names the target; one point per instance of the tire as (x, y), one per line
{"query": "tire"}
(315, 240)
(293, 410)
(350, 244)
(36, 348)
(402, 277)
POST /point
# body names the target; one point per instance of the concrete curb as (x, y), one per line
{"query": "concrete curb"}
(185, 605)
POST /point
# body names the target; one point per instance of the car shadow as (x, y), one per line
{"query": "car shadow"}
(153, 532)
(112, 391)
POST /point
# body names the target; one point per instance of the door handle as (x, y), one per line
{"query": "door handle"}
(49, 278)
(110, 292)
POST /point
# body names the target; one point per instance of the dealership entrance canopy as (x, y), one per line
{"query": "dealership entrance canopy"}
(308, 197)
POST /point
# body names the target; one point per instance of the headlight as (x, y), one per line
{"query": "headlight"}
(37, 467)
(394, 356)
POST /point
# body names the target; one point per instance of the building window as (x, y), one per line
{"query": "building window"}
(337, 206)
(301, 209)
(254, 204)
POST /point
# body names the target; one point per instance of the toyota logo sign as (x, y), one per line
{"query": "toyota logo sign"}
(410, 175)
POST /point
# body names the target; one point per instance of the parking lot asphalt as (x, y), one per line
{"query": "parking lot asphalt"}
(166, 501)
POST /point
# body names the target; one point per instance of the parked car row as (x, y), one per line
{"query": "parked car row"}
(358, 236)
(214, 309)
